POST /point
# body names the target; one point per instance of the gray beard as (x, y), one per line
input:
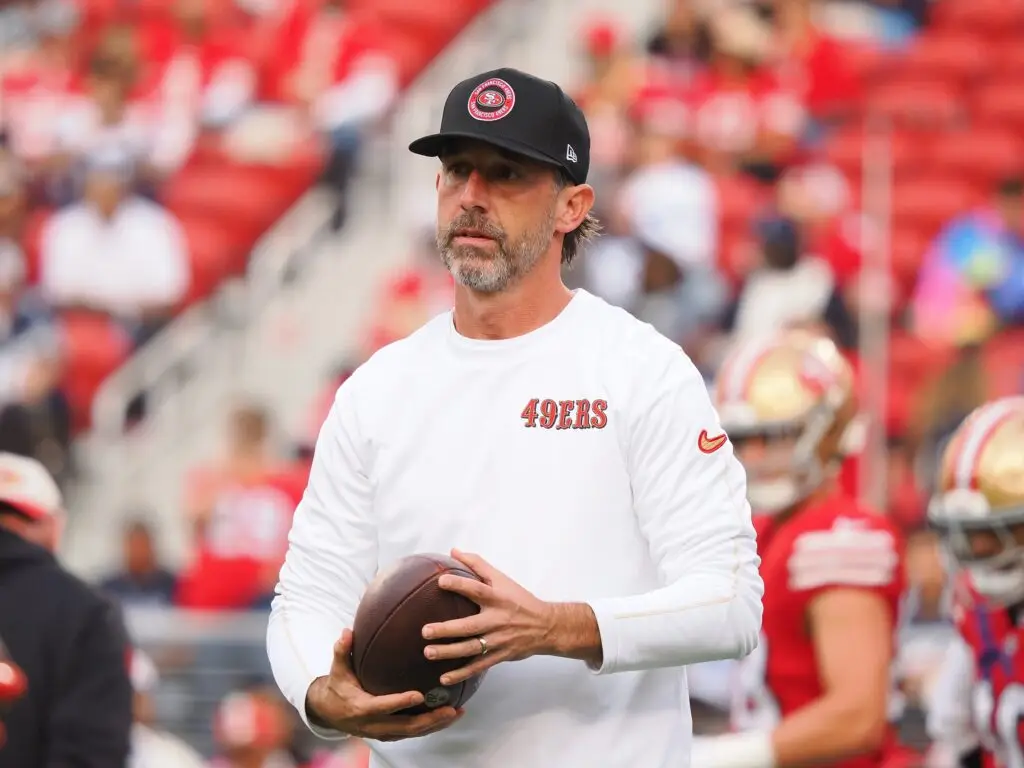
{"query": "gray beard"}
(494, 271)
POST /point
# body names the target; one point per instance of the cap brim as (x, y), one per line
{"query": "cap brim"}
(31, 511)
(433, 145)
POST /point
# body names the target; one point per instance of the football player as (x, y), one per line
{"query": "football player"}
(977, 705)
(817, 689)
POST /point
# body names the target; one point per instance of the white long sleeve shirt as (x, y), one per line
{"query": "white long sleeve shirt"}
(429, 446)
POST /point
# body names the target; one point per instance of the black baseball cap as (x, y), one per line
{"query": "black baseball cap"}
(518, 112)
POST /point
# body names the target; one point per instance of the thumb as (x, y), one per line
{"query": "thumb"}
(477, 564)
(341, 666)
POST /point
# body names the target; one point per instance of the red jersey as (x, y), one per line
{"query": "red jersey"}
(835, 543)
(244, 540)
(730, 117)
(997, 700)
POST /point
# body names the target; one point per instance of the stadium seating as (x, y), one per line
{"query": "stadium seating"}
(226, 206)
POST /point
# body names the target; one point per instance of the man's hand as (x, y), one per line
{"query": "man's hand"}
(513, 624)
(337, 701)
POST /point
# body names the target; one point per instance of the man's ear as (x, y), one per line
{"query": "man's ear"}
(437, 181)
(576, 204)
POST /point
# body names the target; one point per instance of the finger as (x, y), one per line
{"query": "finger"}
(380, 706)
(477, 565)
(461, 629)
(405, 726)
(472, 669)
(461, 650)
(477, 591)
(341, 665)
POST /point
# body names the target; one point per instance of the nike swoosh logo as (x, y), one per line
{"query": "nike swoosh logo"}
(710, 444)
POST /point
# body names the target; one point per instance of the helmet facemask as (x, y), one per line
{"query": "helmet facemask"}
(986, 544)
(790, 467)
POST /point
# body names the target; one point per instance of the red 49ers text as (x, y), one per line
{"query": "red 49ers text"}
(565, 414)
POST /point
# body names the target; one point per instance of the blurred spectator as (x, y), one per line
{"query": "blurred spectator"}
(240, 510)
(104, 119)
(790, 289)
(971, 280)
(943, 403)
(115, 253)
(253, 730)
(664, 270)
(811, 64)
(141, 581)
(34, 419)
(331, 66)
(152, 747)
(34, 91)
(613, 74)
(743, 117)
(200, 72)
(682, 46)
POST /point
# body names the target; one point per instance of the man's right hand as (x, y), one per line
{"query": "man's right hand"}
(337, 701)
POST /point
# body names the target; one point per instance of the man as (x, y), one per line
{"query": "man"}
(557, 436)
(69, 641)
(978, 509)
(817, 690)
(115, 253)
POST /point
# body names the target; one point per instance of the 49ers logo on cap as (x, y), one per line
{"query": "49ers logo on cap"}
(491, 100)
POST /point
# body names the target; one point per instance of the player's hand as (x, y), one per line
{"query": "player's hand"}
(514, 623)
(339, 702)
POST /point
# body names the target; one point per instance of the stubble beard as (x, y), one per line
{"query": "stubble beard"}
(492, 270)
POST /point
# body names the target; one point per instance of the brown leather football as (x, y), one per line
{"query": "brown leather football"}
(387, 634)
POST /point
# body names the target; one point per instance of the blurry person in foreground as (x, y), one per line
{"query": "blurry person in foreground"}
(978, 510)
(151, 747)
(816, 691)
(69, 641)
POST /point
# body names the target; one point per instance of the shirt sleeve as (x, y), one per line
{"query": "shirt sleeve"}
(332, 555)
(689, 495)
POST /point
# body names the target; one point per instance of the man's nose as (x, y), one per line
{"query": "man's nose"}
(474, 193)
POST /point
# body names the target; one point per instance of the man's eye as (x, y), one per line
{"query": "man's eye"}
(505, 173)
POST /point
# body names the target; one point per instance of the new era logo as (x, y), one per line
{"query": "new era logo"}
(570, 153)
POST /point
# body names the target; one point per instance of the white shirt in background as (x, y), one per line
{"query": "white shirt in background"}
(428, 447)
(137, 259)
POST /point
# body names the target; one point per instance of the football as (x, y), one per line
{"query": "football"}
(387, 634)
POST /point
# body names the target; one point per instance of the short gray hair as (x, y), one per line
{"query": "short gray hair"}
(588, 229)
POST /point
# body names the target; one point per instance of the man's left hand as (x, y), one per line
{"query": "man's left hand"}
(513, 623)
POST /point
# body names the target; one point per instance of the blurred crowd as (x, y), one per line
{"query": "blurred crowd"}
(758, 165)
(114, 118)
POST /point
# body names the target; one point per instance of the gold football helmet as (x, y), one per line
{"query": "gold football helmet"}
(978, 506)
(789, 406)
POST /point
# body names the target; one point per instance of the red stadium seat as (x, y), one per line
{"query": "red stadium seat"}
(998, 17)
(1009, 59)
(215, 253)
(94, 348)
(918, 103)
(739, 199)
(984, 154)
(1001, 103)
(846, 150)
(946, 56)
(928, 202)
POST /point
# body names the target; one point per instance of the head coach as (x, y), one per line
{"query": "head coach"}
(571, 447)
(69, 641)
